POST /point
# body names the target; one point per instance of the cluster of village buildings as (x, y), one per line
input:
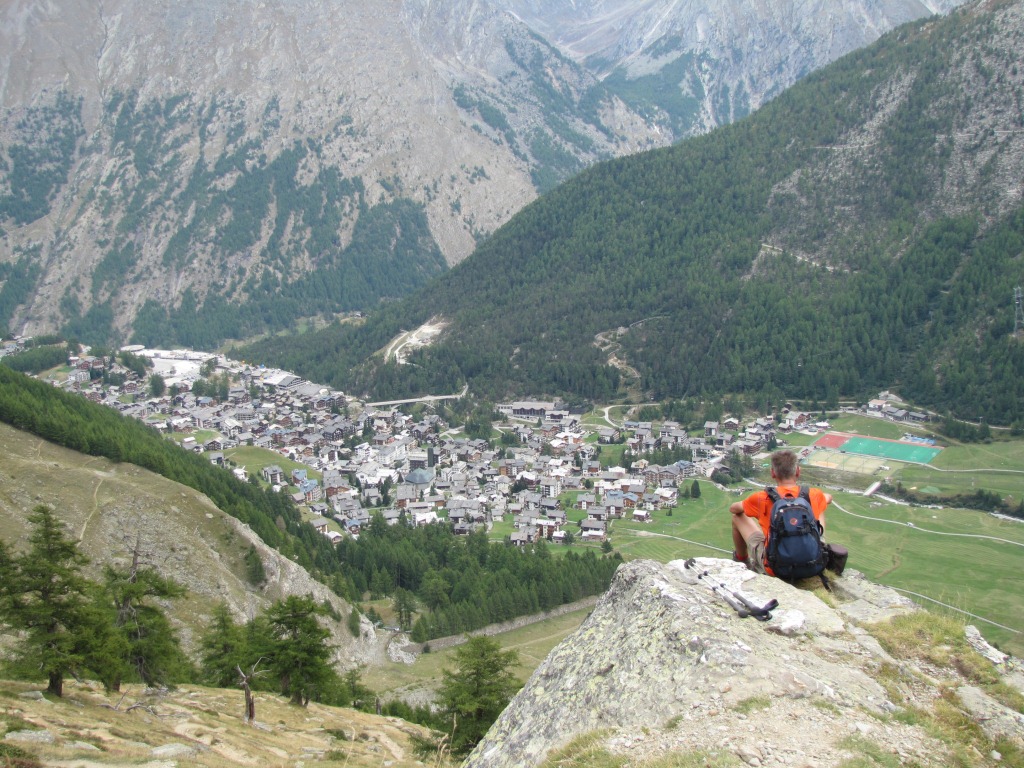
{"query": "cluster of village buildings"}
(379, 459)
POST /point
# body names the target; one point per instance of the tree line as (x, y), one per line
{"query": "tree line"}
(465, 583)
(74, 422)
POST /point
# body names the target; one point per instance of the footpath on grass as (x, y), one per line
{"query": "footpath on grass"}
(503, 626)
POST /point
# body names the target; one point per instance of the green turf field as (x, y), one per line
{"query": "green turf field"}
(255, 459)
(911, 452)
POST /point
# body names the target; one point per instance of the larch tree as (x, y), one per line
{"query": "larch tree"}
(477, 690)
(52, 608)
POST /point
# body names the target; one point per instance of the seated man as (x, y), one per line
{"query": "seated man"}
(752, 516)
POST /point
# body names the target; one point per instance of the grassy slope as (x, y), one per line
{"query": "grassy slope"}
(107, 505)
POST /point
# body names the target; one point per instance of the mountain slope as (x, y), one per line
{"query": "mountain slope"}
(699, 65)
(863, 230)
(188, 172)
(112, 508)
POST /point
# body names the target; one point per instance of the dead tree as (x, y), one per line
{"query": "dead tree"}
(244, 679)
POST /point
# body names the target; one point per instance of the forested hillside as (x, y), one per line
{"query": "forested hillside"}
(862, 231)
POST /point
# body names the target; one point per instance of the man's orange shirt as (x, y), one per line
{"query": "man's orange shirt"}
(759, 506)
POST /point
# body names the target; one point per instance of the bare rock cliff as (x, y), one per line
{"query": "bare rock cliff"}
(664, 665)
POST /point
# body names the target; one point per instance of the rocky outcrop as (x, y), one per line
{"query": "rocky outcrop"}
(663, 664)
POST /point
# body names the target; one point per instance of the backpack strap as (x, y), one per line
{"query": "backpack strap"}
(773, 494)
(805, 493)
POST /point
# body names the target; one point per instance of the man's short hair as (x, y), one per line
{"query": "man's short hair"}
(784, 465)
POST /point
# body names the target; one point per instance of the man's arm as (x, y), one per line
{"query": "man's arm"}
(821, 519)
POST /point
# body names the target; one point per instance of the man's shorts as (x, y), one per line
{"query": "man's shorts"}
(755, 552)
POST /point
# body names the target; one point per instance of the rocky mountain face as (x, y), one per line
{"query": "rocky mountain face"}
(704, 64)
(664, 666)
(271, 162)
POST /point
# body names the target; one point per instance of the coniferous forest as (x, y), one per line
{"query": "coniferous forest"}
(845, 238)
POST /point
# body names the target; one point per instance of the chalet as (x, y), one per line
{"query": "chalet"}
(238, 395)
(311, 490)
(652, 500)
(711, 428)
(519, 538)
(593, 530)
(669, 496)
(549, 505)
(642, 515)
(558, 515)
(667, 428)
(406, 494)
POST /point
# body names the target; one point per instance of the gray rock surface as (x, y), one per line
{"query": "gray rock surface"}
(30, 737)
(664, 664)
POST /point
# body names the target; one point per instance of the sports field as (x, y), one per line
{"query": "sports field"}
(829, 458)
(897, 450)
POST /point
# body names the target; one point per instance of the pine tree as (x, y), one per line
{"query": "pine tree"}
(152, 651)
(296, 648)
(46, 599)
(478, 689)
(224, 649)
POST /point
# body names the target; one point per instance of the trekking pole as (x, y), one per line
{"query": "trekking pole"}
(737, 601)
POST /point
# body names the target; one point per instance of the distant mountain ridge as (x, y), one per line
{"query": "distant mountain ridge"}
(864, 230)
(186, 172)
(706, 64)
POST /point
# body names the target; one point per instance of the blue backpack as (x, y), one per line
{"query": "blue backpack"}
(795, 550)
